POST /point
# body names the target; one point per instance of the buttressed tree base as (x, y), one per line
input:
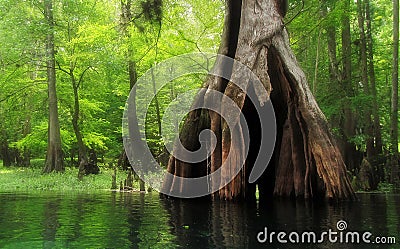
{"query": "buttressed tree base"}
(306, 161)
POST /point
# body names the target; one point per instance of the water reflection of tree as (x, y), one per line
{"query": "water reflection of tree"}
(50, 222)
(393, 210)
(135, 208)
(77, 218)
(203, 224)
(214, 224)
(229, 221)
(147, 221)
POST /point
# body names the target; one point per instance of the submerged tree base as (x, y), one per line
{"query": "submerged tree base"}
(306, 161)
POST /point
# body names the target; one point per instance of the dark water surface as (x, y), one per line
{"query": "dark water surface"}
(134, 220)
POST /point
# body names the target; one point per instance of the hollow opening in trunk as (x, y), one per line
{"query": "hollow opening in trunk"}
(288, 170)
(254, 126)
(266, 183)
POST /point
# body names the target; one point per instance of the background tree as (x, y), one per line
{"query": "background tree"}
(347, 106)
(348, 128)
(54, 157)
(76, 61)
(126, 22)
(395, 99)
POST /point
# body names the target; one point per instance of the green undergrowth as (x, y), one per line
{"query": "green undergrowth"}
(32, 179)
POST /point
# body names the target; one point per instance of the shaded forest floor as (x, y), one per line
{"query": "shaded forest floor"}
(31, 179)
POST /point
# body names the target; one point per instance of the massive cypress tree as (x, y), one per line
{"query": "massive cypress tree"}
(306, 161)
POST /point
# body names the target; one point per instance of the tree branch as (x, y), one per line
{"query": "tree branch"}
(83, 74)
(62, 69)
(297, 14)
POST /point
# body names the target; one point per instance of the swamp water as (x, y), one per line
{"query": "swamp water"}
(134, 220)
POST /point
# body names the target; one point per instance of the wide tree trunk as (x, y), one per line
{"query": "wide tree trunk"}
(306, 161)
(54, 157)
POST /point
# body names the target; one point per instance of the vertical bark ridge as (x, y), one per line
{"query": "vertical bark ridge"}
(320, 145)
(228, 48)
(196, 121)
(260, 21)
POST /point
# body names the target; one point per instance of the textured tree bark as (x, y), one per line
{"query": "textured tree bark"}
(306, 161)
(54, 157)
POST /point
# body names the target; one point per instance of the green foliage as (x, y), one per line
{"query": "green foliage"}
(36, 142)
(309, 41)
(359, 140)
(89, 43)
(32, 179)
(385, 187)
(37, 163)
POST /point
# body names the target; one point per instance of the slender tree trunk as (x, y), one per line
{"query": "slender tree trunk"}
(368, 125)
(334, 75)
(314, 84)
(371, 70)
(82, 150)
(228, 48)
(346, 50)
(54, 157)
(376, 161)
(306, 162)
(126, 21)
(85, 165)
(364, 79)
(394, 176)
(5, 149)
(26, 153)
(157, 105)
(133, 123)
(349, 150)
